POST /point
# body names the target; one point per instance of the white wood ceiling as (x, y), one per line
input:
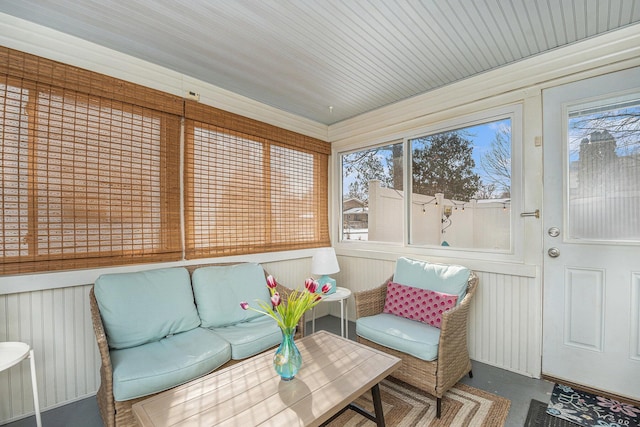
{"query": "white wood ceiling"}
(303, 56)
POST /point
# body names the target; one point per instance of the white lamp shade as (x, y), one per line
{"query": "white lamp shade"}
(324, 261)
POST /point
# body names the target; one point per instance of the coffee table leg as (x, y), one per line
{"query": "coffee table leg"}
(377, 405)
(377, 417)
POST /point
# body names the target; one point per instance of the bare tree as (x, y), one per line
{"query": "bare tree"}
(379, 163)
(497, 164)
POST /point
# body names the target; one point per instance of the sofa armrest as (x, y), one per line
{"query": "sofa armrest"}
(453, 356)
(105, 394)
(371, 301)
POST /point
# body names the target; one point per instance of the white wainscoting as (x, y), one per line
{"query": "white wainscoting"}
(57, 324)
(504, 329)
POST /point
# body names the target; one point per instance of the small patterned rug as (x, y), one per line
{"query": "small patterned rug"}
(588, 410)
(405, 405)
(538, 417)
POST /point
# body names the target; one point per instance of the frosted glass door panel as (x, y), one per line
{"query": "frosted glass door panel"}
(604, 171)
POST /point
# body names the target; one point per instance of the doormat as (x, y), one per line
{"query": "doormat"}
(589, 410)
(538, 417)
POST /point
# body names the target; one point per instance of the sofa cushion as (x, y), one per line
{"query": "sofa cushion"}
(422, 305)
(450, 279)
(161, 365)
(252, 337)
(141, 307)
(398, 333)
(219, 290)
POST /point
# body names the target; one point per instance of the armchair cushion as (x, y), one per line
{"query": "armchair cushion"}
(422, 305)
(408, 336)
(219, 290)
(450, 279)
(145, 306)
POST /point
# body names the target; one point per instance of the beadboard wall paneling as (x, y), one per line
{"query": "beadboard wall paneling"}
(505, 323)
(57, 325)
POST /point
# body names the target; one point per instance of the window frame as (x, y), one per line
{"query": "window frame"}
(516, 251)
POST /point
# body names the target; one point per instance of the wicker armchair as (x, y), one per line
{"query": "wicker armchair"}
(119, 413)
(437, 376)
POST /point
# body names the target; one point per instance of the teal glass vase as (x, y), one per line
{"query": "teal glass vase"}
(287, 360)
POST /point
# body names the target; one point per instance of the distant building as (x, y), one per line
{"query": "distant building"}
(355, 215)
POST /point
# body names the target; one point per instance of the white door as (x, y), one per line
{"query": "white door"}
(591, 217)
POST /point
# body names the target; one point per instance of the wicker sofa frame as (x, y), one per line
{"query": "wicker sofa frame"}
(453, 362)
(119, 413)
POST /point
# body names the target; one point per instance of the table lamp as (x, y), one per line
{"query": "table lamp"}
(324, 262)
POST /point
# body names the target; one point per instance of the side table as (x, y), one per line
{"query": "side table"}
(12, 353)
(341, 294)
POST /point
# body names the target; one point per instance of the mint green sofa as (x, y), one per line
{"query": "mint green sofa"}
(160, 328)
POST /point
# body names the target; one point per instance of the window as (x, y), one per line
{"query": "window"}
(461, 187)
(246, 193)
(603, 200)
(372, 196)
(460, 181)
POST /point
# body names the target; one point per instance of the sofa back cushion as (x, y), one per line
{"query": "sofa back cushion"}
(141, 307)
(449, 279)
(219, 290)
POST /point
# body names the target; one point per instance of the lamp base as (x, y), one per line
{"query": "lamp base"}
(326, 280)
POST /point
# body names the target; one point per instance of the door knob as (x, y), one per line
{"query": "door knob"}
(554, 232)
(554, 252)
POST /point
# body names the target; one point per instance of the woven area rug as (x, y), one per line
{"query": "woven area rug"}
(588, 410)
(406, 406)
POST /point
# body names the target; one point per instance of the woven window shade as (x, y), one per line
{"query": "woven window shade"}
(246, 194)
(86, 181)
(90, 174)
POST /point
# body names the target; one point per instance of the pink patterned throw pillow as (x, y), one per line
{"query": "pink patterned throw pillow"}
(418, 304)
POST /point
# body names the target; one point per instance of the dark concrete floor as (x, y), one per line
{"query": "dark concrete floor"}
(517, 388)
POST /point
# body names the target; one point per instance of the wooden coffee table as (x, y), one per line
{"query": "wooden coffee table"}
(335, 371)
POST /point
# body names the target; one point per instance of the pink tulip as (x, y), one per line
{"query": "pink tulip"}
(326, 288)
(271, 282)
(244, 305)
(275, 299)
(311, 285)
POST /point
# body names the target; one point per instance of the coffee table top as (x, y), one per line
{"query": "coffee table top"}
(335, 372)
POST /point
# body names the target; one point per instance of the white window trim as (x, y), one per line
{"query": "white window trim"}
(516, 254)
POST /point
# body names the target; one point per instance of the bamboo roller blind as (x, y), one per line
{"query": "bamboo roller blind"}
(90, 174)
(252, 188)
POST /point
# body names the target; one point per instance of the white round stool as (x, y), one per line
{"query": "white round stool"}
(12, 353)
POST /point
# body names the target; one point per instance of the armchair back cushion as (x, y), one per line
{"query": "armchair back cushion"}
(449, 279)
(220, 289)
(145, 306)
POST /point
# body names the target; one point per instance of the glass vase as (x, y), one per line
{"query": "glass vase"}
(287, 360)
